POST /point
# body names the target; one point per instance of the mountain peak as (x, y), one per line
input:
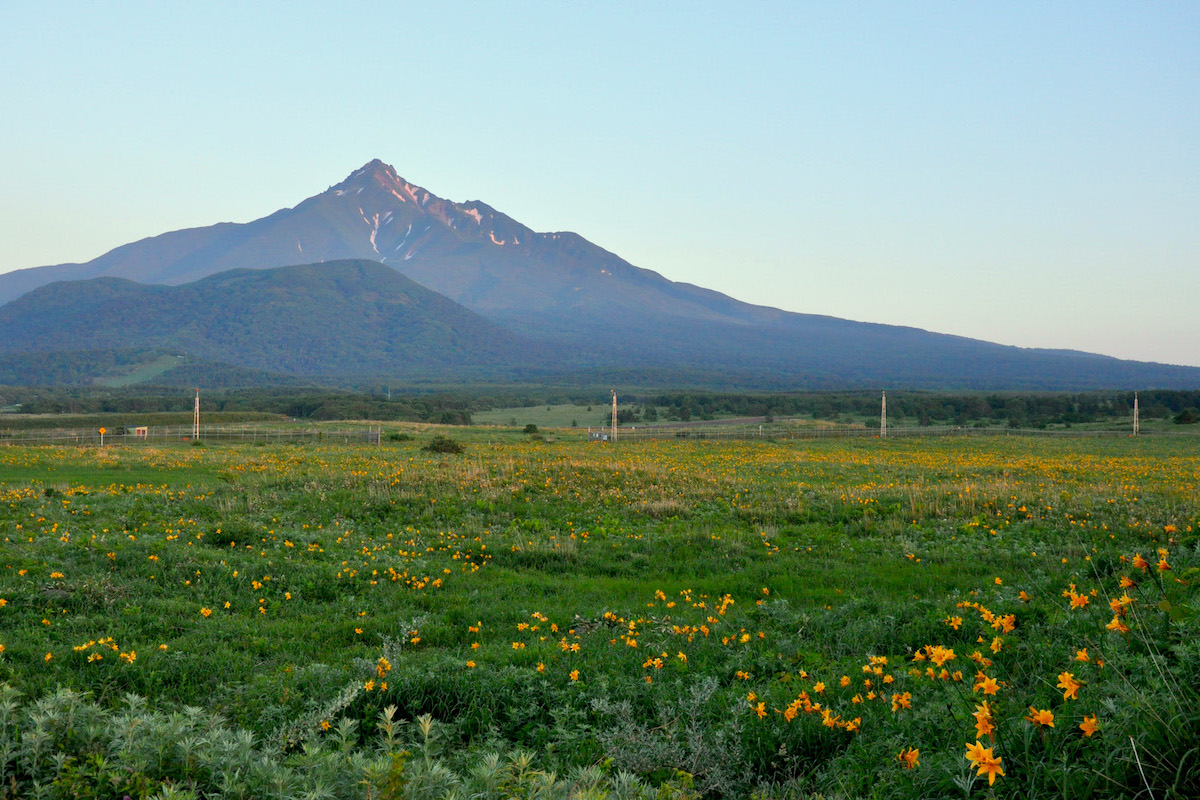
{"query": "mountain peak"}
(374, 169)
(376, 175)
(376, 166)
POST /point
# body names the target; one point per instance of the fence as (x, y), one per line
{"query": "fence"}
(162, 434)
(777, 432)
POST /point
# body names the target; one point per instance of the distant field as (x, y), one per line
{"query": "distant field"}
(144, 373)
(771, 618)
(554, 416)
(562, 416)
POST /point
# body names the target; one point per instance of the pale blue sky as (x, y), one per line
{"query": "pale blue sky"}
(1025, 173)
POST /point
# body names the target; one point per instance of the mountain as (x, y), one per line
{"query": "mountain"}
(337, 318)
(587, 307)
(470, 252)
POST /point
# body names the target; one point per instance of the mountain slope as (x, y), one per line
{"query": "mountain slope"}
(576, 297)
(468, 251)
(345, 317)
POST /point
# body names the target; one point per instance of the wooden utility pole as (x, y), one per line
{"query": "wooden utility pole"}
(1135, 414)
(883, 418)
(196, 417)
(614, 418)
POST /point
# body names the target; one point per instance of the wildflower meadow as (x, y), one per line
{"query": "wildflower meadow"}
(994, 616)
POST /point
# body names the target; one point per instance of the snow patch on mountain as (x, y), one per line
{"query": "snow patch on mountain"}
(373, 221)
(406, 235)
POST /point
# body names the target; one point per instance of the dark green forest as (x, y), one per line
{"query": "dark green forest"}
(455, 405)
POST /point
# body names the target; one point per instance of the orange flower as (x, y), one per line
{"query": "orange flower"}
(975, 752)
(982, 759)
(1140, 562)
(1043, 717)
(983, 721)
(986, 684)
(940, 655)
(909, 757)
(1089, 725)
(1070, 686)
(1082, 655)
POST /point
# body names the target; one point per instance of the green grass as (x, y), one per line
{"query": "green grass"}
(553, 416)
(144, 372)
(333, 557)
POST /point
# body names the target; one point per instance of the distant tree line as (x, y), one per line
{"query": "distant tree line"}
(925, 408)
(454, 406)
(309, 404)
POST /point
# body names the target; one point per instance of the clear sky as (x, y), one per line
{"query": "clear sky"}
(1025, 173)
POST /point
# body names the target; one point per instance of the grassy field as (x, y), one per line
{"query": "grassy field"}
(552, 416)
(655, 619)
(143, 373)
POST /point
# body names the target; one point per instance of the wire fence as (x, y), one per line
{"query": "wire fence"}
(164, 434)
(787, 432)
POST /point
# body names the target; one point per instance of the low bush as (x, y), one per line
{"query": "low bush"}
(444, 444)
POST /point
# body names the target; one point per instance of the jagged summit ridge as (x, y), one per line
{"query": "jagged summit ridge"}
(383, 198)
(377, 173)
